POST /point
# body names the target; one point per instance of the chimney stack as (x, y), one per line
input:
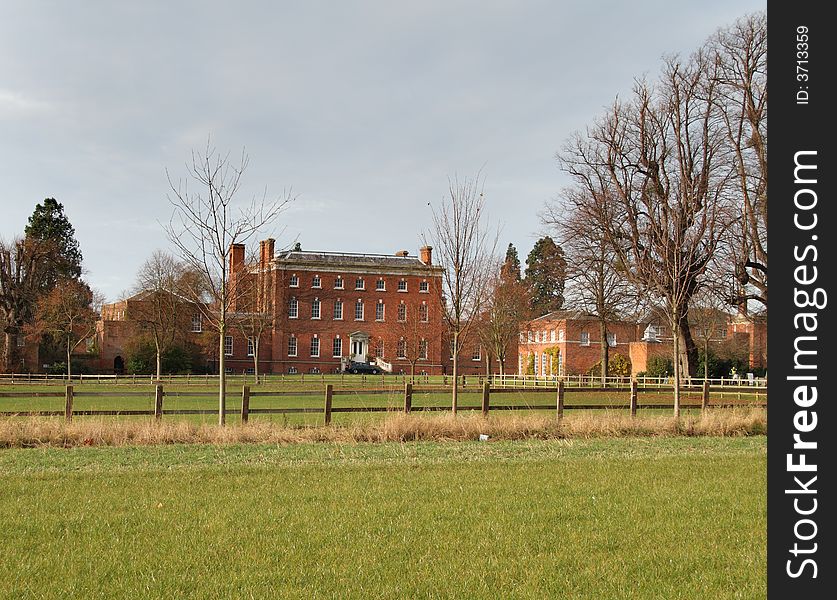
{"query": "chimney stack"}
(236, 271)
(426, 255)
(266, 252)
(402, 253)
(236, 257)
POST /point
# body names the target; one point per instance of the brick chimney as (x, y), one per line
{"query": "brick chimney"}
(236, 270)
(236, 257)
(266, 252)
(402, 253)
(426, 255)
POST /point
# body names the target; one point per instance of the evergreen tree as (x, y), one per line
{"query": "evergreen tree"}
(546, 272)
(511, 265)
(48, 223)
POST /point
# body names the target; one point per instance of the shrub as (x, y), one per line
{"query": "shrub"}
(617, 366)
(720, 366)
(142, 358)
(659, 366)
(60, 368)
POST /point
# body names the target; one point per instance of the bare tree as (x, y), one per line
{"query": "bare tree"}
(655, 184)
(506, 307)
(206, 226)
(466, 250)
(161, 309)
(740, 53)
(414, 331)
(25, 266)
(598, 284)
(68, 313)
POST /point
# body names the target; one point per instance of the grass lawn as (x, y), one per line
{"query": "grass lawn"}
(603, 518)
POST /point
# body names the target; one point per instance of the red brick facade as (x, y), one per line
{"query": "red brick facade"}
(332, 307)
(568, 342)
(115, 329)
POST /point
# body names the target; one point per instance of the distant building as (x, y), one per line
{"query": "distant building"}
(118, 325)
(567, 342)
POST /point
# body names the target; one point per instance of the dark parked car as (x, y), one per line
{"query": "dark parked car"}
(358, 367)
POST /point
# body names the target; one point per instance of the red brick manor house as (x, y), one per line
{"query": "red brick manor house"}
(327, 309)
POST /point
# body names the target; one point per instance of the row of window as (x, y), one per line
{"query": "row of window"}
(360, 284)
(359, 310)
(550, 336)
(337, 348)
(652, 333)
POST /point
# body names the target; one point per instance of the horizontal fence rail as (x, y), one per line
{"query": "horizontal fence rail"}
(406, 394)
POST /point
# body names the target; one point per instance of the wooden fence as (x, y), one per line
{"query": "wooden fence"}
(327, 409)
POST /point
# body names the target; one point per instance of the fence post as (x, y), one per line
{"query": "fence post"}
(68, 404)
(486, 394)
(634, 394)
(704, 403)
(245, 404)
(327, 411)
(408, 398)
(559, 406)
(158, 401)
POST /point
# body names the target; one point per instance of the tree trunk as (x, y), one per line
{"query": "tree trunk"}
(7, 351)
(688, 348)
(455, 389)
(676, 353)
(69, 364)
(222, 377)
(159, 360)
(605, 349)
(256, 358)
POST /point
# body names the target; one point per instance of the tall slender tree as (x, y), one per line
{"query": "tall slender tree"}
(546, 273)
(161, 309)
(597, 282)
(506, 307)
(466, 248)
(740, 53)
(511, 265)
(68, 314)
(48, 222)
(205, 227)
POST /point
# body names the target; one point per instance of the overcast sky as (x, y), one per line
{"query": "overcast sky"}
(364, 109)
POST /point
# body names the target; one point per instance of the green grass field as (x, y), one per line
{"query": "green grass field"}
(606, 518)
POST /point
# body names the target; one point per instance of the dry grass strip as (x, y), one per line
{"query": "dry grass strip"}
(40, 432)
